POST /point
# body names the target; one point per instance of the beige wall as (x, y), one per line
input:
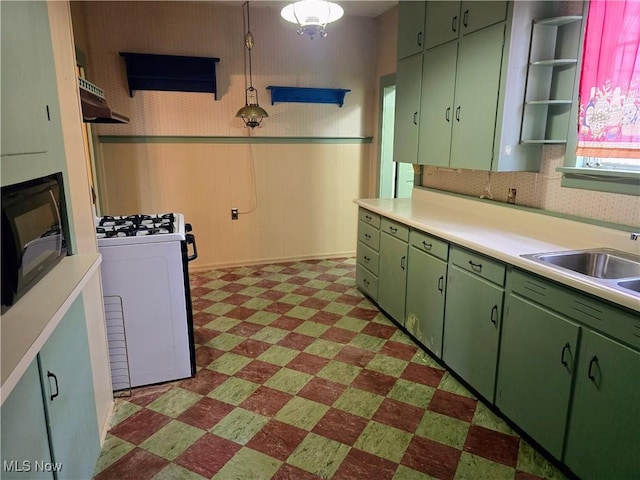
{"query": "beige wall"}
(298, 199)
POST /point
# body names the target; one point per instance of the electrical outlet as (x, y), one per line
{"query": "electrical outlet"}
(511, 196)
(234, 214)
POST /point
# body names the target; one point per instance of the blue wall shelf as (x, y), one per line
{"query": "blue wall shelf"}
(146, 71)
(307, 95)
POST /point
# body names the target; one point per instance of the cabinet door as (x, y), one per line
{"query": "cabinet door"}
(442, 23)
(603, 439)
(24, 430)
(477, 15)
(410, 28)
(476, 98)
(69, 397)
(392, 277)
(473, 309)
(25, 40)
(537, 360)
(407, 115)
(424, 317)
(436, 106)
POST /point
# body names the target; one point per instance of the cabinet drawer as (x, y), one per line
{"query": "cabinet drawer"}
(367, 282)
(395, 229)
(369, 217)
(613, 321)
(369, 235)
(368, 257)
(482, 266)
(427, 243)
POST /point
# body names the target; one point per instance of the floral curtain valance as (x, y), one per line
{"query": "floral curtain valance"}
(609, 123)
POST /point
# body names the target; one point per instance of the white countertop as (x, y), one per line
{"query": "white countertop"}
(505, 233)
(27, 325)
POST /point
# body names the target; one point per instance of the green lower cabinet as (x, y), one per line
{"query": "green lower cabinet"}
(473, 309)
(25, 445)
(392, 276)
(65, 369)
(426, 283)
(604, 427)
(537, 361)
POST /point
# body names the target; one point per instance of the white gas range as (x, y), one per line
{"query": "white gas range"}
(145, 283)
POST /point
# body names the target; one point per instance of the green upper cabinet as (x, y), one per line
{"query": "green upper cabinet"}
(407, 114)
(472, 85)
(603, 439)
(476, 98)
(65, 369)
(475, 15)
(411, 28)
(538, 352)
(26, 56)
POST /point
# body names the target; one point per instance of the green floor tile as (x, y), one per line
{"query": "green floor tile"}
(368, 342)
(413, 393)
(278, 355)
(123, 410)
(531, 461)
(406, 473)
(451, 385)
(472, 467)
(327, 295)
(387, 365)
(219, 308)
(283, 286)
(287, 380)
(382, 319)
(319, 284)
(302, 313)
(339, 372)
(324, 348)
(270, 334)
(217, 295)
(226, 341)
(443, 429)
(312, 329)
(383, 441)
(176, 472)
(263, 318)
(301, 413)
(401, 337)
(248, 464)
(257, 303)
(172, 439)
(113, 450)
(338, 308)
(319, 455)
(229, 363)
(233, 391)
(349, 323)
(174, 402)
(486, 418)
(252, 291)
(423, 358)
(222, 324)
(240, 425)
(359, 402)
(293, 298)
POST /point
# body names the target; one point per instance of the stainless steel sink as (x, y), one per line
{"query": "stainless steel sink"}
(595, 263)
(606, 266)
(631, 285)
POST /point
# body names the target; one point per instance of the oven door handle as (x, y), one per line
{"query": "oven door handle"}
(191, 239)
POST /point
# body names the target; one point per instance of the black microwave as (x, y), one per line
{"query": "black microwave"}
(33, 233)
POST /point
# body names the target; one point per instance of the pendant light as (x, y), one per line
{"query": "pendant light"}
(252, 113)
(312, 16)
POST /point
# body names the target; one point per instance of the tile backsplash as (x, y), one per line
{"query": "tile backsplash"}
(539, 190)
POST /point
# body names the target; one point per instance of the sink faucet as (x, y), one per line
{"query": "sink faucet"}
(635, 235)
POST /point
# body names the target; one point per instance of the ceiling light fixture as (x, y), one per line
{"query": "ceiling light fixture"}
(252, 113)
(312, 16)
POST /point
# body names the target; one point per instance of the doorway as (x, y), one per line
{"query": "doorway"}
(395, 180)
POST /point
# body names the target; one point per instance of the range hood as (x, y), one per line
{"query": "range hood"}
(94, 107)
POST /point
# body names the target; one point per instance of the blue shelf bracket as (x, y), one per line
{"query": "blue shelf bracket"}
(307, 95)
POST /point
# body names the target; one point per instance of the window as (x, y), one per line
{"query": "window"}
(608, 132)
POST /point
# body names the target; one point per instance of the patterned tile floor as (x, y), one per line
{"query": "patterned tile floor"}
(301, 377)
